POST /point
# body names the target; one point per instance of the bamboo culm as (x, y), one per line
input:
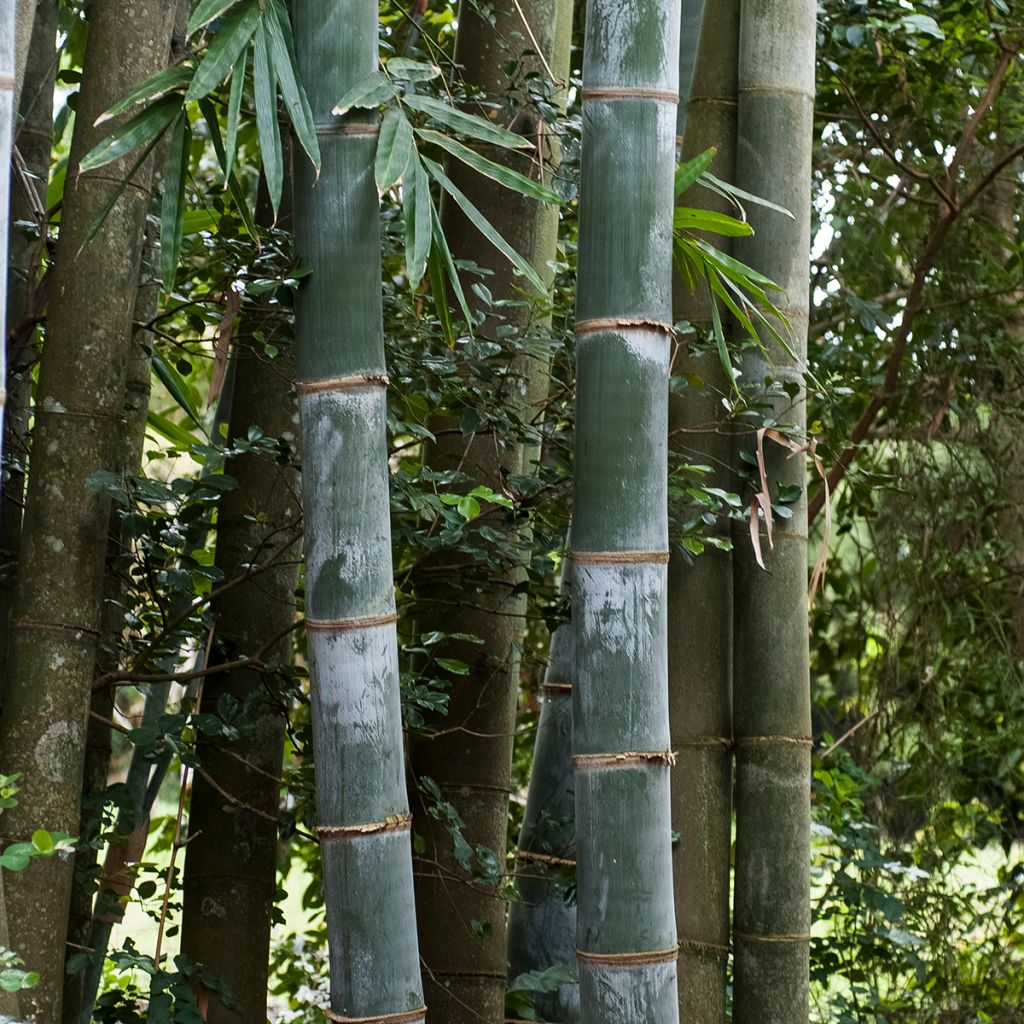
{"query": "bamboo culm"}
(626, 935)
(700, 593)
(361, 798)
(771, 691)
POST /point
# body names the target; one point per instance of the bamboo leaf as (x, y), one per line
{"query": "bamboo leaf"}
(169, 429)
(732, 191)
(734, 266)
(283, 60)
(235, 110)
(178, 389)
(372, 91)
(394, 149)
(688, 173)
(225, 50)
(497, 172)
(416, 200)
(266, 119)
(689, 219)
(144, 127)
(157, 84)
(441, 246)
(466, 124)
(206, 11)
(172, 209)
(234, 186)
(412, 70)
(723, 350)
(436, 269)
(484, 226)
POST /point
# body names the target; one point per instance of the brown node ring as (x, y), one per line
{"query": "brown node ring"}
(656, 956)
(396, 823)
(349, 625)
(631, 93)
(624, 323)
(619, 557)
(403, 1017)
(583, 762)
(347, 383)
(773, 741)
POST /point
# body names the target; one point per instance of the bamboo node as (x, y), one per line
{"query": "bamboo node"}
(401, 1017)
(6, 82)
(773, 741)
(545, 858)
(631, 93)
(556, 687)
(619, 557)
(349, 625)
(708, 949)
(655, 956)
(747, 937)
(354, 380)
(394, 823)
(589, 762)
(624, 323)
(347, 128)
(60, 627)
(706, 741)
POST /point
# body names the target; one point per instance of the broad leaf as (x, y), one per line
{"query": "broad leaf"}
(206, 11)
(372, 91)
(225, 50)
(146, 126)
(266, 119)
(394, 149)
(283, 60)
(466, 124)
(411, 70)
(417, 203)
(157, 84)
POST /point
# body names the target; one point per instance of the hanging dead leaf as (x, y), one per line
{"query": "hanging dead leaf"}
(222, 344)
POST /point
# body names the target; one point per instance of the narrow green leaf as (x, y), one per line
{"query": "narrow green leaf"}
(295, 102)
(441, 245)
(687, 173)
(144, 127)
(156, 85)
(497, 172)
(466, 124)
(723, 350)
(689, 219)
(172, 208)
(372, 91)
(206, 11)
(178, 389)
(235, 110)
(417, 203)
(484, 226)
(733, 191)
(394, 149)
(225, 49)
(209, 112)
(170, 430)
(266, 119)
(436, 268)
(412, 70)
(734, 265)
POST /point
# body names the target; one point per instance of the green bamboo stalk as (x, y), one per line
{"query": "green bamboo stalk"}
(350, 604)
(8, 106)
(34, 139)
(690, 23)
(78, 412)
(771, 707)
(700, 593)
(542, 920)
(465, 969)
(626, 935)
(231, 857)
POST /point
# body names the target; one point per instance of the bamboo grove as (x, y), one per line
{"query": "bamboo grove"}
(511, 512)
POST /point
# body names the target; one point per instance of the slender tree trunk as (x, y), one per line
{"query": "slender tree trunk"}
(231, 859)
(22, 15)
(542, 919)
(350, 604)
(34, 140)
(771, 707)
(700, 592)
(626, 934)
(465, 964)
(79, 412)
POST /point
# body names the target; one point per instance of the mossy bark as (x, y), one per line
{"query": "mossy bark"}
(465, 964)
(700, 594)
(79, 420)
(771, 708)
(626, 935)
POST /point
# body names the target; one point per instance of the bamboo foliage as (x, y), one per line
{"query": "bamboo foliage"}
(700, 590)
(771, 711)
(350, 606)
(626, 936)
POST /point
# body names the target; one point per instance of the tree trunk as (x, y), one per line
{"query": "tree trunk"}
(462, 923)
(626, 934)
(350, 604)
(231, 857)
(700, 591)
(771, 705)
(542, 918)
(34, 139)
(57, 615)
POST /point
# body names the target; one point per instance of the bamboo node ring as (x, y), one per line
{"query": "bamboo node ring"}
(656, 956)
(60, 627)
(556, 687)
(545, 858)
(394, 823)
(354, 380)
(722, 742)
(747, 937)
(349, 625)
(696, 948)
(619, 557)
(586, 762)
(773, 741)
(402, 1017)
(631, 93)
(624, 323)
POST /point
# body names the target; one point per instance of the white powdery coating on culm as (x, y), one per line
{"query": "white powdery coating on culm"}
(613, 28)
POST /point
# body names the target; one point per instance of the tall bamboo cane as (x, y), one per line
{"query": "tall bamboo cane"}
(8, 26)
(771, 709)
(626, 935)
(700, 594)
(350, 604)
